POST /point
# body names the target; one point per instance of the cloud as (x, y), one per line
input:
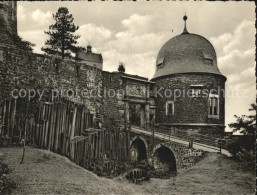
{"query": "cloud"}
(139, 64)
(236, 60)
(42, 18)
(236, 52)
(136, 44)
(36, 18)
(96, 35)
(138, 24)
(127, 42)
(37, 37)
(21, 13)
(242, 37)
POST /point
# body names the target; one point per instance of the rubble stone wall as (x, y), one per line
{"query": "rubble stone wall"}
(185, 157)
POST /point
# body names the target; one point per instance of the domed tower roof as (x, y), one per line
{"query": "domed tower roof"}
(186, 53)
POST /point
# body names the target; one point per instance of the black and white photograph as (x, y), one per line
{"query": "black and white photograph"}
(127, 97)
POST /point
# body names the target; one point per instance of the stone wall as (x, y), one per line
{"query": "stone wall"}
(8, 16)
(189, 110)
(53, 77)
(22, 69)
(185, 157)
(79, 83)
(113, 106)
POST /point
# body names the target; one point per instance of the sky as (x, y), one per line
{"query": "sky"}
(133, 33)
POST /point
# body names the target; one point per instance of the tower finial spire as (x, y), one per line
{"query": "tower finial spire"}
(89, 47)
(185, 28)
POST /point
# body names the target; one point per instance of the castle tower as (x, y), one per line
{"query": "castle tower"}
(8, 26)
(8, 16)
(190, 85)
(90, 58)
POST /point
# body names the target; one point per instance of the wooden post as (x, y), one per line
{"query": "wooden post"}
(7, 125)
(4, 119)
(13, 117)
(72, 133)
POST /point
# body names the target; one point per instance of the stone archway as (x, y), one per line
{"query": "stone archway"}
(138, 149)
(164, 159)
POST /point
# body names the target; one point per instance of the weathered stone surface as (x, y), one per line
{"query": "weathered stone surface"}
(189, 110)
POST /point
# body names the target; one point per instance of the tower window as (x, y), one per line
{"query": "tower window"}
(196, 90)
(213, 108)
(160, 64)
(208, 59)
(169, 109)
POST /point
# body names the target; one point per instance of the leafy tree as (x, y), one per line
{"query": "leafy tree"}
(62, 40)
(121, 68)
(25, 45)
(242, 146)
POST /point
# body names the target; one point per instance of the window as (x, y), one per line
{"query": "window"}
(207, 58)
(208, 61)
(196, 90)
(213, 110)
(160, 64)
(169, 108)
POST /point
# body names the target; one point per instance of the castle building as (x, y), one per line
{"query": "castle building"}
(90, 58)
(129, 99)
(192, 95)
(186, 92)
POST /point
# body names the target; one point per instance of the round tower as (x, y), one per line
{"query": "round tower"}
(190, 87)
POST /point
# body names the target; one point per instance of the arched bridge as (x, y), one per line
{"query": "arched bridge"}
(166, 152)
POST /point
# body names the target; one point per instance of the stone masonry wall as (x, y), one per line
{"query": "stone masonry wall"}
(189, 109)
(8, 16)
(53, 77)
(113, 106)
(185, 156)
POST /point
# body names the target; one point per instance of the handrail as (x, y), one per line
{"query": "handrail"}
(195, 137)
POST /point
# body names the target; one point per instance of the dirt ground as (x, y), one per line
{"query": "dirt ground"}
(44, 172)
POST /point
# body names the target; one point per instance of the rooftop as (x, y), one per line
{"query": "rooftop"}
(186, 53)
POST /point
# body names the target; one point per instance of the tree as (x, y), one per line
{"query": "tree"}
(121, 68)
(242, 146)
(62, 40)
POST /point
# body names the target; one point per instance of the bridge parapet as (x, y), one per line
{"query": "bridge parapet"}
(167, 155)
